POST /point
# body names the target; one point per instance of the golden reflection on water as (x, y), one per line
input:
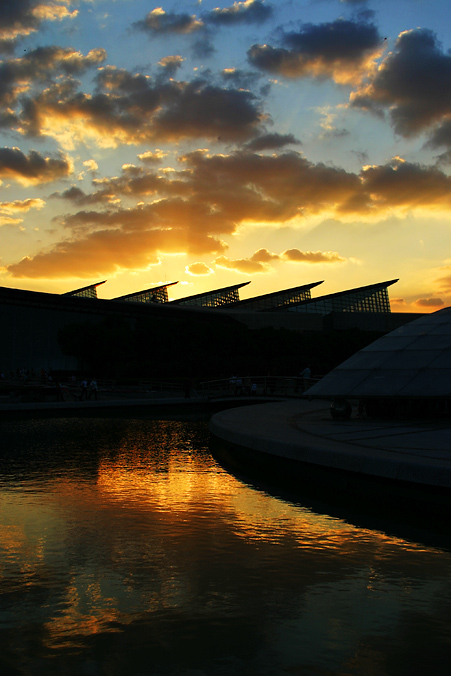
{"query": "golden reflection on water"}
(155, 528)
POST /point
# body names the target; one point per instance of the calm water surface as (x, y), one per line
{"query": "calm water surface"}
(125, 549)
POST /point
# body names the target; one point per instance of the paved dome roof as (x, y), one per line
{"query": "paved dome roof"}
(412, 361)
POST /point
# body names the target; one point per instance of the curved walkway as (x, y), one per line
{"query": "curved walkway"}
(411, 452)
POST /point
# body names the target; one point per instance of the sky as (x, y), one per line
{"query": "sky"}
(276, 142)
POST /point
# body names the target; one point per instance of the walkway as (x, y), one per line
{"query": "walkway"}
(304, 431)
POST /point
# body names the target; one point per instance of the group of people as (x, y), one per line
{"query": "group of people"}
(93, 389)
(238, 387)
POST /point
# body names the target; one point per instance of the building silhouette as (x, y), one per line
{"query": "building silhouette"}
(31, 320)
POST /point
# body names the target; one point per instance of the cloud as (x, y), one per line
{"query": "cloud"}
(249, 11)
(195, 208)
(132, 109)
(22, 17)
(411, 85)
(245, 186)
(152, 157)
(429, 302)
(343, 50)
(159, 22)
(33, 169)
(407, 186)
(312, 256)
(272, 142)
(8, 209)
(445, 282)
(198, 269)
(17, 76)
(21, 205)
(80, 198)
(170, 64)
(261, 260)
(244, 265)
(91, 165)
(107, 251)
(240, 78)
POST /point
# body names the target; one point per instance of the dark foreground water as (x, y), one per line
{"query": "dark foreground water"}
(126, 550)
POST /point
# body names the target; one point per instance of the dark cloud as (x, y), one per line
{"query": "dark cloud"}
(249, 11)
(169, 65)
(80, 198)
(38, 65)
(159, 22)
(342, 50)
(203, 47)
(340, 40)
(208, 111)
(413, 85)
(128, 108)
(406, 185)
(441, 136)
(19, 18)
(272, 142)
(240, 78)
(34, 168)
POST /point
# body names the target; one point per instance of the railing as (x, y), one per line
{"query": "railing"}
(257, 386)
(236, 386)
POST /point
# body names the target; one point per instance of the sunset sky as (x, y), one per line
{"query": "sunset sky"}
(212, 143)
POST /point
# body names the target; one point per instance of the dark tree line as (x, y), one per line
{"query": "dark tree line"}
(203, 348)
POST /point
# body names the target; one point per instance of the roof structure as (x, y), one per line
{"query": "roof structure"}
(157, 294)
(277, 300)
(216, 298)
(86, 291)
(371, 298)
(412, 361)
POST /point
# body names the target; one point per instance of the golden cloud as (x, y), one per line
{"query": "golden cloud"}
(312, 256)
(21, 205)
(430, 302)
(198, 269)
(244, 265)
(107, 251)
(193, 209)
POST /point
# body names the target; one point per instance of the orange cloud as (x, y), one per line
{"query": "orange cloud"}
(107, 251)
(194, 208)
(430, 302)
(198, 269)
(261, 260)
(312, 256)
(21, 205)
(245, 265)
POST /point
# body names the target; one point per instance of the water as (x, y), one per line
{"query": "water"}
(125, 549)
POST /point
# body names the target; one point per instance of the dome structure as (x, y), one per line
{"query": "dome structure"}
(411, 363)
